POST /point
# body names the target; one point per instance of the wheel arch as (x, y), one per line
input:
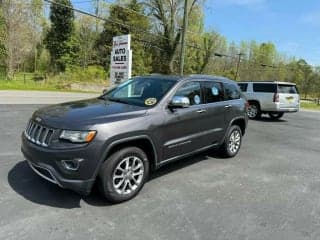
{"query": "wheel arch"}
(256, 102)
(241, 122)
(143, 142)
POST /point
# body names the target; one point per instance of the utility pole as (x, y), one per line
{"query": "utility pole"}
(183, 37)
(238, 65)
(97, 14)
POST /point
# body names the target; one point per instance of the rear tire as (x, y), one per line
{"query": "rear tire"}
(253, 111)
(232, 142)
(123, 174)
(276, 115)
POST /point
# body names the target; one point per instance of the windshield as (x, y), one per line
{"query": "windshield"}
(144, 92)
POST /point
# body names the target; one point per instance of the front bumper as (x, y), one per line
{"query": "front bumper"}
(48, 163)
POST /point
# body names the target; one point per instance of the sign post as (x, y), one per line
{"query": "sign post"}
(121, 59)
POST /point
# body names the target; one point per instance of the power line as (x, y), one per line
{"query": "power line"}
(217, 54)
(104, 19)
(127, 26)
(80, 2)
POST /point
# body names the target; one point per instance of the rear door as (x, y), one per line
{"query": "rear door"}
(288, 96)
(233, 103)
(264, 93)
(215, 107)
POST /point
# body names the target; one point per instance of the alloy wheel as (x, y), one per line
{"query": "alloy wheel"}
(234, 141)
(252, 111)
(128, 175)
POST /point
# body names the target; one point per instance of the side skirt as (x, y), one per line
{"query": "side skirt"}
(166, 161)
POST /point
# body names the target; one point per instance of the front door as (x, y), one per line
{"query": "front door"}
(184, 128)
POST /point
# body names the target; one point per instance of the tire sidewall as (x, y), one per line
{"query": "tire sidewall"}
(258, 110)
(107, 170)
(226, 143)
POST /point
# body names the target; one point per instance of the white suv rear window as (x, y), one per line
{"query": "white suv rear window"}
(265, 87)
(287, 89)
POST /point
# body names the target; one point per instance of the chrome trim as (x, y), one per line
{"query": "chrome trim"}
(38, 133)
(179, 144)
(187, 154)
(187, 138)
(53, 180)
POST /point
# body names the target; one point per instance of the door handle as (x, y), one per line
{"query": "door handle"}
(201, 111)
(228, 106)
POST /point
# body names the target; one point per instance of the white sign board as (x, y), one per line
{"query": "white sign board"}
(121, 59)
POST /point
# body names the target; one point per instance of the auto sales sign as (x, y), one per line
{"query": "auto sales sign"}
(121, 59)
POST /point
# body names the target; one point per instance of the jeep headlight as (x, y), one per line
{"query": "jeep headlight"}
(78, 136)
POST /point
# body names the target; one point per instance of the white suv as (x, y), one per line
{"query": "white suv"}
(273, 98)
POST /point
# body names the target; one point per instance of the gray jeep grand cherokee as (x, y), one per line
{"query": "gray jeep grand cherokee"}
(140, 125)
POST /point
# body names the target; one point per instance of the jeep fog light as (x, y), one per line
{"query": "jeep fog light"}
(72, 165)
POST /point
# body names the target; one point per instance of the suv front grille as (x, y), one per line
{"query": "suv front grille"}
(38, 134)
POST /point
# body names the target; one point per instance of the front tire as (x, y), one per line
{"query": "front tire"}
(232, 143)
(123, 174)
(276, 115)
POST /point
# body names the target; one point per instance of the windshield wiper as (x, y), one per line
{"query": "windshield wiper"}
(117, 100)
(101, 97)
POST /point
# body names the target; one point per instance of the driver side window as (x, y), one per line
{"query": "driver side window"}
(192, 91)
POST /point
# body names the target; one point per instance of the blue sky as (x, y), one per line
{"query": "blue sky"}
(294, 26)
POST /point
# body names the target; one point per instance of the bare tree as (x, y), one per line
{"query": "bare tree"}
(168, 16)
(19, 37)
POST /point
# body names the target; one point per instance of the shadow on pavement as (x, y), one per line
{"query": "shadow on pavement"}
(37, 190)
(186, 162)
(268, 119)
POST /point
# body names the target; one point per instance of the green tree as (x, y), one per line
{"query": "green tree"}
(168, 15)
(316, 87)
(59, 40)
(86, 35)
(307, 80)
(18, 32)
(38, 23)
(3, 51)
(128, 19)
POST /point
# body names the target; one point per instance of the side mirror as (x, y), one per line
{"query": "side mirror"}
(104, 91)
(179, 102)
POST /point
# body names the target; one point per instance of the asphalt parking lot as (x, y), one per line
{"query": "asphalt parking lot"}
(270, 190)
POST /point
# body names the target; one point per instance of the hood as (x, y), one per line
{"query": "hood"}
(73, 115)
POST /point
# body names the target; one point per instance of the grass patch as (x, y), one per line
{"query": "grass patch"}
(34, 86)
(62, 82)
(310, 105)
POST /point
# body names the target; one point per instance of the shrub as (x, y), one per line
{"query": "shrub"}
(89, 74)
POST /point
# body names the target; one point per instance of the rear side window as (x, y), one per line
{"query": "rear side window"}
(265, 87)
(231, 92)
(243, 86)
(287, 89)
(213, 92)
